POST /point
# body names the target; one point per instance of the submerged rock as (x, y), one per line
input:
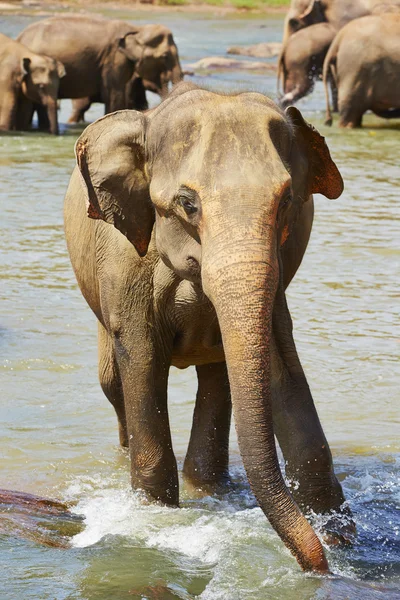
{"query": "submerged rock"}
(157, 592)
(263, 50)
(219, 63)
(41, 520)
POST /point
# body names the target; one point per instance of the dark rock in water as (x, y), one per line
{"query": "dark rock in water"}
(263, 50)
(38, 519)
(157, 592)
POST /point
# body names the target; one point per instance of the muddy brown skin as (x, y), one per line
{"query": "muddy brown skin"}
(106, 61)
(27, 77)
(365, 80)
(302, 60)
(203, 191)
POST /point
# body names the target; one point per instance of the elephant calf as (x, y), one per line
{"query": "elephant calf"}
(200, 213)
(302, 59)
(27, 77)
(364, 61)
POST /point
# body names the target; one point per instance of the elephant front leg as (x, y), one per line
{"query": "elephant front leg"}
(110, 381)
(144, 368)
(351, 108)
(43, 117)
(24, 114)
(301, 438)
(79, 107)
(136, 94)
(206, 462)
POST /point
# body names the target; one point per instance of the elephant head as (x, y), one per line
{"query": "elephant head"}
(222, 178)
(153, 49)
(40, 82)
(302, 13)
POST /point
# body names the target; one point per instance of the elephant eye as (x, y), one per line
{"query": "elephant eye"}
(286, 200)
(187, 206)
(187, 198)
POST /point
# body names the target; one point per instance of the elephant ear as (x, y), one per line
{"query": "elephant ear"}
(61, 72)
(131, 45)
(322, 174)
(111, 159)
(25, 66)
(313, 13)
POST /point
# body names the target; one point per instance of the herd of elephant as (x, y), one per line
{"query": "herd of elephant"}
(88, 59)
(200, 212)
(354, 45)
(351, 44)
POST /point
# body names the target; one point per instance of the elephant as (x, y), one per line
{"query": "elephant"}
(153, 49)
(108, 61)
(303, 13)
(210, 198)
(27, 77)
(364, 61)
(302, 60)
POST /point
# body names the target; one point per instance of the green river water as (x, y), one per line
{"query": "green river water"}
(59, 434)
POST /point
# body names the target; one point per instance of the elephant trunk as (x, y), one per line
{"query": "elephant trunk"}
(52, 108)
(173, 75)
(293, 94)
(241, 281)
(176, 73)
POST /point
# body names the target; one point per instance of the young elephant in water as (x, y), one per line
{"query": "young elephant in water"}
(364, 61)
(200, 213)
(27, 77)
(302, 59)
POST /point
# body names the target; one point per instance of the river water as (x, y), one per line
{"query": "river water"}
(59, 434)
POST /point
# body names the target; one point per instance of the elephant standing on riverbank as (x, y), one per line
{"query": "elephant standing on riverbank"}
(200, 213)
(101, 57)
(364, 60)
(302, 60)
(27, 77)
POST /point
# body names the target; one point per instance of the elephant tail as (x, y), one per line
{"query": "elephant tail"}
(329, 75)
(281, 72)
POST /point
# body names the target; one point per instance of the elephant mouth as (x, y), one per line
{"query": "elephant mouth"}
(192, 263)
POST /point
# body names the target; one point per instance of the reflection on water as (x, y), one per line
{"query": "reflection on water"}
(59, 435)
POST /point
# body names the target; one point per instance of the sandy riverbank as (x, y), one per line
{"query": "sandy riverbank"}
(219, 7)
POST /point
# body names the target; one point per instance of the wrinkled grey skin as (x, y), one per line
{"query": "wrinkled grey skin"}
(303, 13)
(201, 211)
(302, 60)
(364, 61)
(27, 77)
(153, 51)
(106, 60)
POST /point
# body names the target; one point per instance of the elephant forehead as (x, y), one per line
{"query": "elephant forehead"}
(220, 123)
(220, 136)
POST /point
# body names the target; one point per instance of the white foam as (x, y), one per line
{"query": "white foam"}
(227, 535)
